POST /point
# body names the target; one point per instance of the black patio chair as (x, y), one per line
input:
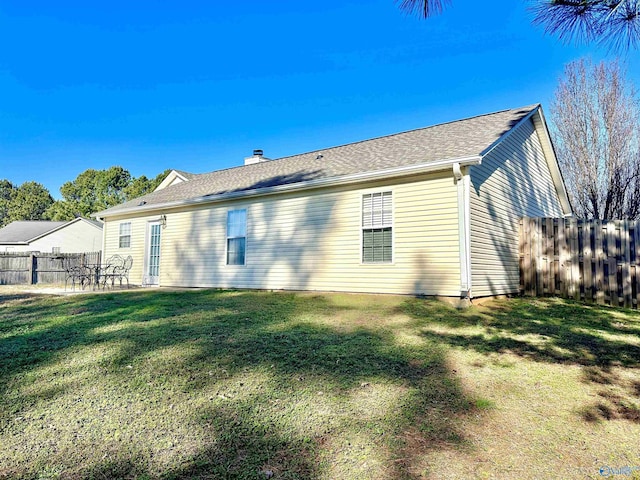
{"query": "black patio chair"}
(111, 270)
(123, 272)
(77, 274)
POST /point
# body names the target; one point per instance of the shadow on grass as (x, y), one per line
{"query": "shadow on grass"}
(597, 338)
(222, 337)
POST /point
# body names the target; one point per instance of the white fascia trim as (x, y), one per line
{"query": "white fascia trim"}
(510, 131)
(310, 184)
(554, 167)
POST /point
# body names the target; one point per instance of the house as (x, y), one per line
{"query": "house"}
(75, 236)
(431, 211)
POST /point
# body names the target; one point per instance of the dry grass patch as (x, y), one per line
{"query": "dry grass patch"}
(211, 384)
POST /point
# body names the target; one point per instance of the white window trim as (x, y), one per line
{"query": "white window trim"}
(246, 238)
(361, 195)
(120, 235)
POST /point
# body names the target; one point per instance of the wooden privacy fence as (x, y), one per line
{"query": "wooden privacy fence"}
(33, 268)
(591, 260)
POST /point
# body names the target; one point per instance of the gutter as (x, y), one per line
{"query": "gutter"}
(295, 187)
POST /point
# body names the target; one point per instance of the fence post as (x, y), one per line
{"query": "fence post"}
(32, 270)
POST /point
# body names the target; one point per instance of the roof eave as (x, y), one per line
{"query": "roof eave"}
(299, 186)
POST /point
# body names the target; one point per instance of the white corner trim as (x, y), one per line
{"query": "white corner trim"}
(463, 185)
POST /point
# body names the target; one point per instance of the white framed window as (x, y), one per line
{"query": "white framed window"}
(124, 239)
(377, 227)
(236, 236)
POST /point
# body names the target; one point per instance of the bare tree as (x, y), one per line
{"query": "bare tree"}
(595, 127)
(613, 22)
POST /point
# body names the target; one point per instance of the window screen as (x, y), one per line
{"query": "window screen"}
(125, 235)
(236, 236)
(377, 227)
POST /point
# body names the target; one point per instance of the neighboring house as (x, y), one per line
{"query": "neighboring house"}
(75, 236)
(432, 211)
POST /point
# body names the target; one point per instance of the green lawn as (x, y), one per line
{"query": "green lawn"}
(218, 384)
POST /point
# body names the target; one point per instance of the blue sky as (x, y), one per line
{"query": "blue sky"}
(196, 86)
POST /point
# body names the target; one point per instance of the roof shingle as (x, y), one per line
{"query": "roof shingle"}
(453, 140)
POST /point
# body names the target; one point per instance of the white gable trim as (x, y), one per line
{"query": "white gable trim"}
(537, 117)
(171, 179)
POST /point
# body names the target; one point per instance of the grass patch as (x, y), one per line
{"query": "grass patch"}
(215, 384)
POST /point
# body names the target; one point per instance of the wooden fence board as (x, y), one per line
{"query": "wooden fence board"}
(562, 246)
(587, 262)
(625, 242)
(551, 283)
(636, 236)
(599, 282)
(595, 260)
(41, 268)
(537, 255)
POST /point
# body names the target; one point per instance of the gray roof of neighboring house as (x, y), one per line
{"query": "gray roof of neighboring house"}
(27, 230)
(22, 232)
(459, 139)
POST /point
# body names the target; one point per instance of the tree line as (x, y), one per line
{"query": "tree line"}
(91, 191)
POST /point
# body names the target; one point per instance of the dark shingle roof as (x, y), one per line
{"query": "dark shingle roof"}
(187, 175)
(19, 232)
(453, 140)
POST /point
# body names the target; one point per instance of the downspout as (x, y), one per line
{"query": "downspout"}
(463, 184)
(104, 239)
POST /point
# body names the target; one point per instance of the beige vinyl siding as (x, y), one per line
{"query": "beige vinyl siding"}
(312, 241)
(137, 244)
(513, 181)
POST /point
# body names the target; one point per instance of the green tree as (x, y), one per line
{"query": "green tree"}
(615, 22)
(28, 202)
(6, 189)
(91, 191)
(95, 190)
(61, 210)
(142, 185)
